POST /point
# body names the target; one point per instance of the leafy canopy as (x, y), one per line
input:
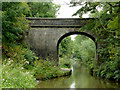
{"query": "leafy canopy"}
(106, 28)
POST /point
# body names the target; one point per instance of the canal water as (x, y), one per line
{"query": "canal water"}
(80, 78)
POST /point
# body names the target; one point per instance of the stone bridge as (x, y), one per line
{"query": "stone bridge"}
(45, 34)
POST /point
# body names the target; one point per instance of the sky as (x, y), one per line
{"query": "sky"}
(66, 12)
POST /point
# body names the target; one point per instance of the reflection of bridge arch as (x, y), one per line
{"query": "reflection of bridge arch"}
(46, 33)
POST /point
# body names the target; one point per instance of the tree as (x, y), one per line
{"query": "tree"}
(107, 29)
(42, 9)
(14, 22)
(65, 47)
(84, 48)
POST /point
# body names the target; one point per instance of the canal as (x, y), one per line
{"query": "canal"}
(80, 78)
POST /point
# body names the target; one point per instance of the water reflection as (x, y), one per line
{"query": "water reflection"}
(72, 85)
(80, 78)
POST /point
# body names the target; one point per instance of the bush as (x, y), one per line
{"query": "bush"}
(15, 76)
(19, 54)
(65, 62)
(45, 69)
(17, 61)
(109, 70)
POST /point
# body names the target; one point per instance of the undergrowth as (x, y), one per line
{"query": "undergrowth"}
(21, 68)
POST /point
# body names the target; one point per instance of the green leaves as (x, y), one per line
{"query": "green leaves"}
(84, 49)
(87, 7)
(65, 47)
(107, 30)
(45, 69)
(14, 22)
(14, 77)
(114, 24)
(42, 9)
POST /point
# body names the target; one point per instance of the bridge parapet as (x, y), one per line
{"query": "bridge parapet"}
(58, 22)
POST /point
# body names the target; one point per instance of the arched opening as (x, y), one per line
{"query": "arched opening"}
(79, 34)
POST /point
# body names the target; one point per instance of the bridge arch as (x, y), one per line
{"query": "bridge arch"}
(78, 33)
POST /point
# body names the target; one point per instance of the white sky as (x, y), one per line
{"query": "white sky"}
(66, 12)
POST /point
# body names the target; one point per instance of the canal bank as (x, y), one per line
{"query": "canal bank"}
(80, 78)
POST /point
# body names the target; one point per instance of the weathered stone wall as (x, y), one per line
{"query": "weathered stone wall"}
(44, 34)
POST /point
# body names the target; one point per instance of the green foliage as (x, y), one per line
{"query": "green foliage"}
(65, 47)
(84, 50)
(14, 14)
(42, 9)
(109, 70)
(15, 76)
(18, 70)
(16, 63)
(19, 54)
(107, 30)
(18, 66)
(14, 22)
(45, 69)
(65, 62)
(0, 75)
